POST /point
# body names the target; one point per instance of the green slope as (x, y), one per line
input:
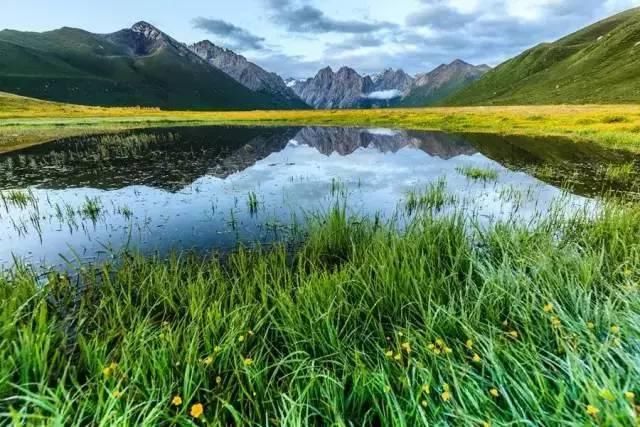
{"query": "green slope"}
(75, 66)
(425, 96)
(598, 64)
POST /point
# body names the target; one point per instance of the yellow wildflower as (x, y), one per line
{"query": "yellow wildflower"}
(248, 361)
(387, 389)
(606, 394)
(476, 358)
(494, 392)
(176, 401)
(615, 329)
(217, 349)
(117, 394)
(197, 410)
(424, 403)
(406, 347)
(106, 371)
(207, 361)
(431, 346)
(486, 424)
(218, 379)
(389, 354)
(398, 356)
(590, 325)
(555, 322)
(513, 334)
(426, 389)
(446, 396)
(440, 342)
(446, 387)
(630, 396)
(250, 333)
(469, 344)
(437, 351)
(548, 308)
(241, 338)
(592, 410)
(447, 350)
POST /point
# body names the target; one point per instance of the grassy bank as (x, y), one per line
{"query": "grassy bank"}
(25, 121)
(362, 325)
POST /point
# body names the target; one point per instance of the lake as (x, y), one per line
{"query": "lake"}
(85, 199)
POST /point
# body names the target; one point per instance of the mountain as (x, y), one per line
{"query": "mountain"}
(391, 79)
(329, 90)
(391, 88)
(248, 74)
(345, 141)
(136, 66)
(598, 64)
(431, 87)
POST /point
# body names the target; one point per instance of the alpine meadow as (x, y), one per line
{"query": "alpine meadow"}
(304, 213)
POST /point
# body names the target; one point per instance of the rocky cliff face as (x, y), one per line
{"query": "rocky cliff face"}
(327, 90)
(393, 80)
(348, 89)
(247, 73)
(143, 39)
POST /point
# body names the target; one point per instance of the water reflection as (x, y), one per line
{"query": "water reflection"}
(209, 187)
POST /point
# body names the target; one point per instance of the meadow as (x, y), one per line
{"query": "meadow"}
(445, 321)
(25, 121)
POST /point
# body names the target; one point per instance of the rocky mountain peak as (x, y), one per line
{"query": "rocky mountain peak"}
(326, 71)
(460, 63)
(148, 30)
(391, 79)
(347, 71)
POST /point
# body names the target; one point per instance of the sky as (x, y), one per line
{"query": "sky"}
(295, 38)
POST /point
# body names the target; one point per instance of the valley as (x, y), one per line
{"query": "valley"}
(377, 234)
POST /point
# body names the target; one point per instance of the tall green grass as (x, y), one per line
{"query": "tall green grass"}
(443, 323)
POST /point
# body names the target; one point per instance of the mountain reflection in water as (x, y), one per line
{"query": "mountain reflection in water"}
(167, 189)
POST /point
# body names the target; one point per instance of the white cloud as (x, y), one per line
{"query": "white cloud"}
(384, 94)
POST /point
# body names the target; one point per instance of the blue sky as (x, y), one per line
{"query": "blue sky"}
(297, 37)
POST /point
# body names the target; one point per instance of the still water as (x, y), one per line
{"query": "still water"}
(207, 188)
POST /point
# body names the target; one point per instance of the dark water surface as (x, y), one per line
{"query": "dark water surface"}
(207, 188)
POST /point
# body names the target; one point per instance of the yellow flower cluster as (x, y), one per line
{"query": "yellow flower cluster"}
(196, 411)
(475, 356)
(109, 370)
(439, 347)
(446, 392)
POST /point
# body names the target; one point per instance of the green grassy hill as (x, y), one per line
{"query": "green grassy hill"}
(126, 68)
(598, 64)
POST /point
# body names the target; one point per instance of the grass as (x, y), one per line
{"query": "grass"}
(444, 323)
(620, 173)
(25, 121)
(478, 174)
(434, 197)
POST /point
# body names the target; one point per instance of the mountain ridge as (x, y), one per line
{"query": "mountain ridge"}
(136, 66)
(247, 73)
(390, 88)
